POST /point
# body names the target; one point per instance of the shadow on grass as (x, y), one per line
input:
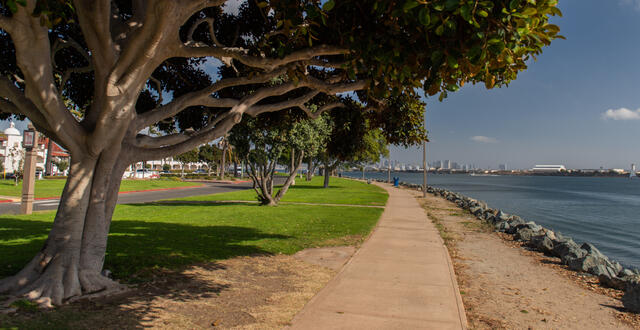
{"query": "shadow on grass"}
(149, 255)
(135, 248)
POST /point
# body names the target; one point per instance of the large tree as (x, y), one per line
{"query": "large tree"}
(121, 64)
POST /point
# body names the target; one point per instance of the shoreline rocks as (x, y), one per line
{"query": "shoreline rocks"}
(584, 258)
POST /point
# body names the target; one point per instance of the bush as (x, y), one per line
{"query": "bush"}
(55, 177)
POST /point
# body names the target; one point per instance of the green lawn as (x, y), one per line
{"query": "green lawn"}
(53, 187)
(340, 191)
(170, 235)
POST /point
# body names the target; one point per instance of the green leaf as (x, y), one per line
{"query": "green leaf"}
(552, 28)
(328, 5)
(529, 11)
(409, 4)
(12, 6)
(465, 12)
(451, 4)
(440, 30)
(483, 13)
(424, 16)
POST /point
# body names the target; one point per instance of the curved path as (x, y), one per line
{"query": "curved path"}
(401, 278)
(140, 197)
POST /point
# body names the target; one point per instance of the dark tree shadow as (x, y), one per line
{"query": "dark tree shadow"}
(151, 257)
(136, 247)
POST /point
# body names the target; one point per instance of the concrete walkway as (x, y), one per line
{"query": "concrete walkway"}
(401, 278)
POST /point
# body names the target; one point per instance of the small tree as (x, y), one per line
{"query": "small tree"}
(16, 154)
(210, 155)
(263, 141)
(190, 156)
(61, 164)
(166, 167)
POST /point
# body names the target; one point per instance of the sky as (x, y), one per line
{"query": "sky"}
(578, 105)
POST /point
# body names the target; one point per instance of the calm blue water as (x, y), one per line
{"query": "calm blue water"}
(603, 211)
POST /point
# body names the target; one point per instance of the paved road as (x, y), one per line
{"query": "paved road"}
(138, 197)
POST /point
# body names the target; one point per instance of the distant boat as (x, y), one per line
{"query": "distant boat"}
(482, 174)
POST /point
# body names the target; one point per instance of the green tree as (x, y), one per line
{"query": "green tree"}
(61, 164)
(263, 141)
(115, 59)
(190, 156)
(210, 155)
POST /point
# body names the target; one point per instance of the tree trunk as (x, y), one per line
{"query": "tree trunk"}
(327, 173)
(48, 168)
(71, 261)
(222, 165)
(291, 177)
(310, 169)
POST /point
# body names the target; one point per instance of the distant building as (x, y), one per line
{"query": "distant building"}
(12, 152)
(502, 167)
(548, 168)
(446, 164)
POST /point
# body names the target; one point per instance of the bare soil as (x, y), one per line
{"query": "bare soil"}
(254, 292)
(505, 286)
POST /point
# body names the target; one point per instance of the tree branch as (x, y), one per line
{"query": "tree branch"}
(200, 137)
(60, 44)
(146, 141)
(268, 64)
(202, 97)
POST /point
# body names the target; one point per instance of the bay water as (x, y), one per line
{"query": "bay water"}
(604, 211)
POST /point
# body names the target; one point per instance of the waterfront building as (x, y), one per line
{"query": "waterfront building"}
(446, 164)
(548, 168)
(502, 167)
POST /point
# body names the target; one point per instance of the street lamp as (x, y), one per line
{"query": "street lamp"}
(424, 159)
(29, 142)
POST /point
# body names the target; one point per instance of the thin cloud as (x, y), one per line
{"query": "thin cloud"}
(621, 114)
(483, 139)
(634, 3)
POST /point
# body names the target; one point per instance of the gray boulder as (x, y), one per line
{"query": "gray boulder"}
(542, 243)
(626, 272)
(582, 264)
(592, 250)
(502, 226)
(524, 234)
(631, 297)
(617, 282)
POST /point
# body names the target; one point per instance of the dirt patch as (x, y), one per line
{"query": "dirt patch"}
(240, 293)
(330, 257)
(505, 286)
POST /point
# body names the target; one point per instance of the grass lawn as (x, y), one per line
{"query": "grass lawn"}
(145, 237)
(340, 191)
(53, 187)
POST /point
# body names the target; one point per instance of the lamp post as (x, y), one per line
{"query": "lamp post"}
(424, 160)
(29, 142)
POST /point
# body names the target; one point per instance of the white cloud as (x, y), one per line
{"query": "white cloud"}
(483, 139)
(621, 114)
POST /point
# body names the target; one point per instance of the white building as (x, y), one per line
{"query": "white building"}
(548, 168)
(12, 152)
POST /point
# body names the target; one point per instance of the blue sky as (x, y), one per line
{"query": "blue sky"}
(576, 105)
(556, 111)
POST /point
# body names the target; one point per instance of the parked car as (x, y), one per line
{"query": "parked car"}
(146, 174)
(200, 171)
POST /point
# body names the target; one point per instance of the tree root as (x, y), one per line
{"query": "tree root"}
(60, 281)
